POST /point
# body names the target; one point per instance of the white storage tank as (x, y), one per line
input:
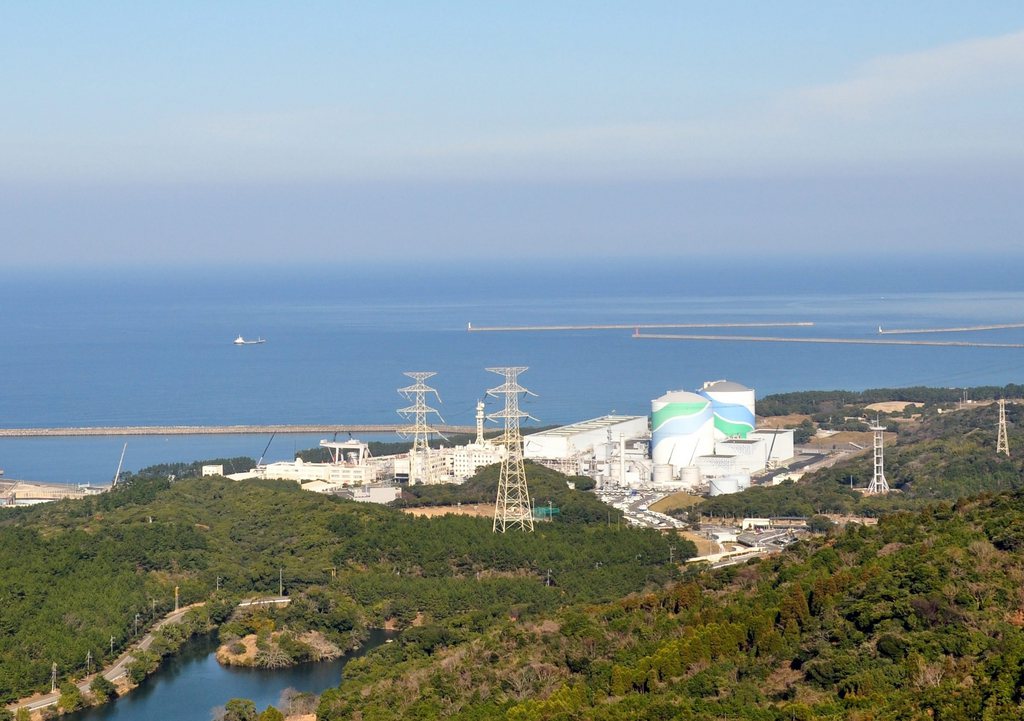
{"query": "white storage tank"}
(724, 486)
(681, 428)
(733, 407)
(663, 473)
(742, 481)
(689, 477)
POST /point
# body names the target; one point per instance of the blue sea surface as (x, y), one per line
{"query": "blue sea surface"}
(155, 348)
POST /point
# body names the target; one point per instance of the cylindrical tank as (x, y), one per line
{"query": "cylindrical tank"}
(724, 485)
(689, 477)
(742, 480)
(662, 473)
(681, 428)
(733, 408)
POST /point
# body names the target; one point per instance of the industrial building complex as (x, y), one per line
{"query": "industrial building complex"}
(705, 440)
(701, 441)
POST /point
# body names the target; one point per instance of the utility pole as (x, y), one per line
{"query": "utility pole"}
(280, 581)
(53, 677)
(136, 624)
(1003, 443)
(671, 553)
(176, 598)
(512, 507)
(88, 663)
(218, 583)
(111, 646)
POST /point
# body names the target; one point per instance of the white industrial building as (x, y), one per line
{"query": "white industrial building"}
(778, 443)
(749, 453)
(350, 465)
(583, 437)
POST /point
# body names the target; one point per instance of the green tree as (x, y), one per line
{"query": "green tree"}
(271, 714)
(22, 715)
(70, 697)
(820, 524)
(6, 715)
(102, 689)
(240, 709)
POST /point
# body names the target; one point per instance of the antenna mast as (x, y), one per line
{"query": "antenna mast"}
(878, 486)
(512, 507)
(1002, 443)
(420, 430)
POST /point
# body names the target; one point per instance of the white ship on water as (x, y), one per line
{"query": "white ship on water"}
(242, 341)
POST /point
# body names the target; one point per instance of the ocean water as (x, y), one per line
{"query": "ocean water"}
(154, 347)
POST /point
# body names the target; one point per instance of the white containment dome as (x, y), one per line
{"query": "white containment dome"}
(733, 408)
(681, 428)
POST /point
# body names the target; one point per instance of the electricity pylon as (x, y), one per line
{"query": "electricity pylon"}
(878, 485)
(1002, 443)
(512, 507)
(420, 430)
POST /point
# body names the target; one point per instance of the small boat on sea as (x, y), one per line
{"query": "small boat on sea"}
(242, 341)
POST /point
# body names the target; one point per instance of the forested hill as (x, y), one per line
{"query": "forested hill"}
(75, 573)
(919, 618)
(937, 457)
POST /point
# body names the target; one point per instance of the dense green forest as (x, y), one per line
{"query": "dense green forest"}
(921, 617)
(77, 572)
(816, 402)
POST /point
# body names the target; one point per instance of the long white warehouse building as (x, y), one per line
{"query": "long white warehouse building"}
(584, 437)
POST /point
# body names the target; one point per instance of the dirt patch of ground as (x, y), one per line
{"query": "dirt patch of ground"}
(793, 419)
(864, 439)
(676, 500)
(226, 657)
(466, 509)
(892, 406)
(705, 546)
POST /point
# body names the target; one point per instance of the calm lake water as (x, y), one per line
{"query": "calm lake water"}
(192, 685)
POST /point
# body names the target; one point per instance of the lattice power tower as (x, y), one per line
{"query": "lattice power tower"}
(512, 508)
(878, 485)
(1002, 442)
(420, 430)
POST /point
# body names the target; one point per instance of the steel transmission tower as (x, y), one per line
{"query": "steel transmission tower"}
(878, 485)
(512, 508)
(420, 430)
(1002, 443)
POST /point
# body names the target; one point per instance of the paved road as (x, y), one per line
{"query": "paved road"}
(118, 669)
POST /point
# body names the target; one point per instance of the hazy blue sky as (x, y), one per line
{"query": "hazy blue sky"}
(156, 132)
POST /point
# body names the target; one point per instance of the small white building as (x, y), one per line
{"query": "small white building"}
(349, 466)
(714, 466)
(468, 459)
(750, 453)
(213, 470)
(778, 444)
